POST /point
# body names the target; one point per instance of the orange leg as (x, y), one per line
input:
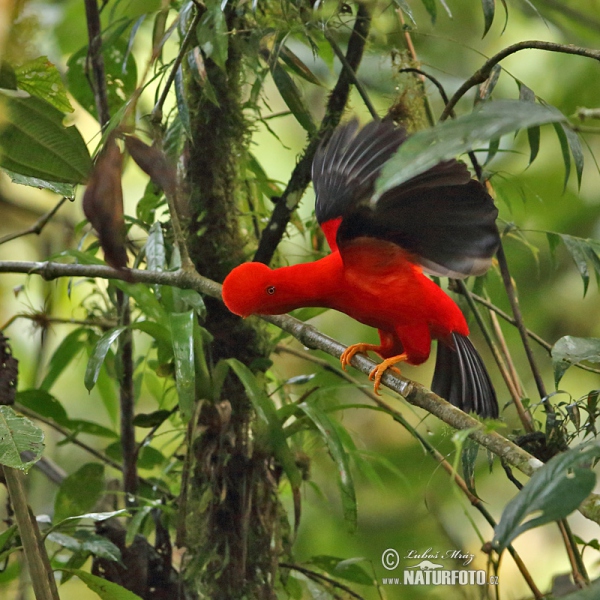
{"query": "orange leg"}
(350, 351)
(377, 373)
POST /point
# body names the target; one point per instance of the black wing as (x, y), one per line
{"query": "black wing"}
(443, 217)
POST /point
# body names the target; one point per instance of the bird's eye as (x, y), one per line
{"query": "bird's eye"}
(271, 290)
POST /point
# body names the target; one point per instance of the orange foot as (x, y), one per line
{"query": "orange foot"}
(350, 351)
(377, 373)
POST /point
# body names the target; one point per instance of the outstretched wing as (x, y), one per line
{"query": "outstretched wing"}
(442, 217)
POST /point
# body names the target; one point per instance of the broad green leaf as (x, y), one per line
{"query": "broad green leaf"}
(292, 97)
(70, 346)
(330, 435)
(533, 133)
(182, 329)
(576, 150)
(18, 434)
(7, 535)
(35, 143)
(79, 492)
(98, 355)
(212, 34)
(107, 590)
(576, 248)
(44, 404)
(569, 351)
(489, 121)
(555, 490)
(148, 458)
(267, 413)
(121, 75)
(347, 569)
(86, 541)
(62, 189)
(39, 77)
(136, 523)
(147, 302)
(91, 428)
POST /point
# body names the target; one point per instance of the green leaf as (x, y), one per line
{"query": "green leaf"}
(488, 121)
(533, 133)
(18, 434)
(62, 189)
(70, 346)
(468, 458)
(347, 569)
(267, 413)
(330, 435)
(120, 70)
(44, 404)
(589, 593)
(39, 77)
(576, 150)
(292, 97)
(182, 328)
(555, 490)
(107, 590)
(431, 9)
(564, 148)
(296, 65)
(79, 492)
(569, 351)
(35, 143)
(212, 34)
(86, 541)
(98, 355)
(576, 248)
(147, 302)
(148, 458)
(489, 9)
(153, 419)
(405, 8)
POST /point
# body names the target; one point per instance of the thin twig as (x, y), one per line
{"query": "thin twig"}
(37, 227)
(432, 450)
(413, 392)
(484, 72)
(301, 176)
(350, 71)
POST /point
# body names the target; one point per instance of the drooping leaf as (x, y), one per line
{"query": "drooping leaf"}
(296, 65)
(182, 106)
(576, 150)
(39, 77)
(569, 351)
(103, 204)
(468, 458)
(35, 143)
(145, 299)
(589, 593)
(121, 75)
(62, 189)
(431, 9)
(70, 346)
(98, 355)
(489, 9)
(44, 404)
(212, 34)
(155, 248)
(182, 329)
(331, 437)
(564, 148)
(79, 492)
(107, 590)
(292, 97)
(86, 541)
(555, 490)
(267, 413)
(577, 249)
(153, 419)
(154, 163)
(491, 120)
(405, 8)
(18, 434)
(533, 133)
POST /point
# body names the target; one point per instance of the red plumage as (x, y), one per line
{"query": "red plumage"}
(441, 221)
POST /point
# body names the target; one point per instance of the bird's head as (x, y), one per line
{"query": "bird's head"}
(250, 289)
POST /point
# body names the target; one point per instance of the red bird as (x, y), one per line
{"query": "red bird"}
(441, 221)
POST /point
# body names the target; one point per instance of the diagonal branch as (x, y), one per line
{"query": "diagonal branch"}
(301, 176)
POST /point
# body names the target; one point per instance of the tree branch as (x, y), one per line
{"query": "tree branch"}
(484, 72)
(301, 176)
(413, 392)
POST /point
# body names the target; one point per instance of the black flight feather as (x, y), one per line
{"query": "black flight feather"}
(442, 216)
(461, 378)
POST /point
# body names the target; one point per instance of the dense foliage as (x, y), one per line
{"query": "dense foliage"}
(168, 448)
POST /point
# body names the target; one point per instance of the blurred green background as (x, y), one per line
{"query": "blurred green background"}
(406, 502)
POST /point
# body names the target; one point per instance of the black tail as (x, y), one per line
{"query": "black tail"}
(461, 378)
